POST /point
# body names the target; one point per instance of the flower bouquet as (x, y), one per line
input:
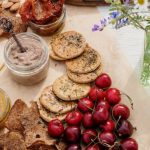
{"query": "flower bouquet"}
(123, 13)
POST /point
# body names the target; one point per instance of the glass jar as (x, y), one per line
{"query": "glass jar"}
(50, 28)
(30, 74)
(145, 68)
(4, 107)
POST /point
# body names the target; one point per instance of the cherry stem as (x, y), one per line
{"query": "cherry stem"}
(87, 106)
(94, 106)
(104, 144)
(107, 145)
(117, 121)
(95, 102)
(91, 142)
(129, 98)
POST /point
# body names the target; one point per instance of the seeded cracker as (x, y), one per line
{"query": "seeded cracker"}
(86, 77)
(48, 116)
(54, 104)
(67, 90)
(55, 57)
(85, 63)
(69, 45)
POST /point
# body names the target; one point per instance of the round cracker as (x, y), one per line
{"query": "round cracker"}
(55, 57)
(85, 78)
(85, 63)
(48, 116)
(54, 104)
(66, 89)
(69, 44)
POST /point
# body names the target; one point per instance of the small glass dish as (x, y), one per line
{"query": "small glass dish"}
(28, 74)
(4, 107)
(51, 28)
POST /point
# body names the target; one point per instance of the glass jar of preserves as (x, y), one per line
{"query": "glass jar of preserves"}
(49, 28)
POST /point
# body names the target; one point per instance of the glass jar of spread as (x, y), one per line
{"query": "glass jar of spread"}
(4, 107)
(31, 66)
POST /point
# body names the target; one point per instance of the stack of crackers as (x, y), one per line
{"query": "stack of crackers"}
(83, 63)
(83, 67)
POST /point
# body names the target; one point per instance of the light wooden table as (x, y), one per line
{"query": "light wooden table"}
(131, 42)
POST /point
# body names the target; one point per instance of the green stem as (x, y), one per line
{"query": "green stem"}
(133, 20)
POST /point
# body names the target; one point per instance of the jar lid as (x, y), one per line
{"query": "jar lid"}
(4, 105)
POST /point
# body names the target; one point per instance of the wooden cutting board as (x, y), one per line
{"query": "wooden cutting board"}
(86, 2)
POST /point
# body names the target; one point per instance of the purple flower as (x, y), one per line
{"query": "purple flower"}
(114, 14)
(95, 27)
(100, 27)
(122, 22)
(125, 20)
(103, 22)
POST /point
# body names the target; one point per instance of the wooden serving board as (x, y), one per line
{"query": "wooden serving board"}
(86, 2)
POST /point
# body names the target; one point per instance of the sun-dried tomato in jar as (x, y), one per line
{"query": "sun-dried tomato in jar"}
(41, 11)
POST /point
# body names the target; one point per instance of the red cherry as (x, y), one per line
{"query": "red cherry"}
(87, 120)
(124, 129)
(88, 136)
(96, 94)
(102, 104)
(55, 128)
(74, 147)
(74, 118)
(72, 134)
(85, 104)
(107, 137)
(109, 126)
(93, 147)
(100, 116)
(121, 110)
(129, 144)
(103, 81)
(113, 96)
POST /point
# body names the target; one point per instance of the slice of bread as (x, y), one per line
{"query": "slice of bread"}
(37, 136)
(13, 122)
(26, 127)
(13, 141)
(21, 117)
(61, 145)
(30, 117)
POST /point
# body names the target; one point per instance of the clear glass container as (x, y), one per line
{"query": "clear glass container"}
(32, 74)
(4, 107)
(145, 68)
(50, 28)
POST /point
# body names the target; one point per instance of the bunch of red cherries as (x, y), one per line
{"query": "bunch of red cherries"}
(100, 121)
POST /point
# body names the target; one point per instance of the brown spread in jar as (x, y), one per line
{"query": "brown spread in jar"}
(30, 57)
